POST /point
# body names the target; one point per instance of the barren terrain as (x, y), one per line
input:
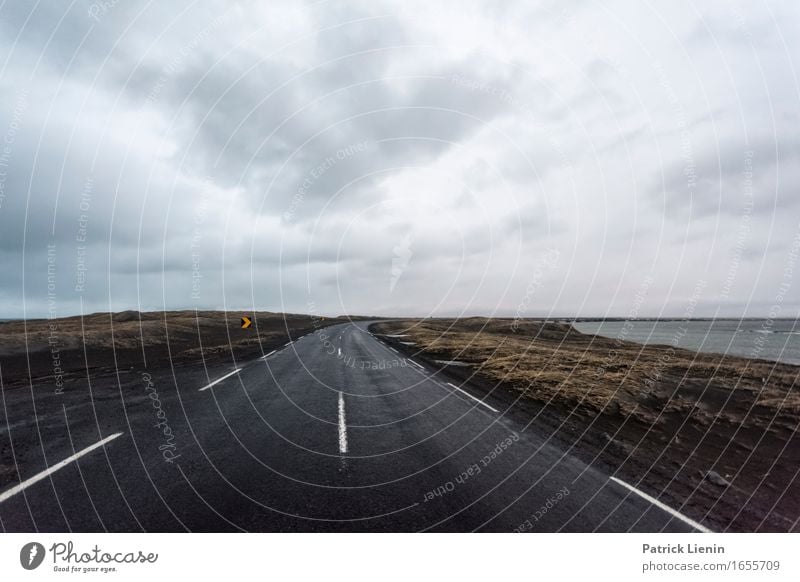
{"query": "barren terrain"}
(711, 433)
(102, 343)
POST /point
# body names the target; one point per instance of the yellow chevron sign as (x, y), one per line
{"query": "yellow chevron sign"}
(246, 322)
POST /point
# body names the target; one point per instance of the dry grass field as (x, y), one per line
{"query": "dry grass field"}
(714, 430)
(102, 343)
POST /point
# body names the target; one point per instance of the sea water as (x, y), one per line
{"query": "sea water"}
(777, 340)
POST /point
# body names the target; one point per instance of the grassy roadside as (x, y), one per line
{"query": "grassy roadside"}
(103, 343)
(713, 433)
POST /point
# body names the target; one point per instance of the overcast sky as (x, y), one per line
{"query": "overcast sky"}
(514, 158)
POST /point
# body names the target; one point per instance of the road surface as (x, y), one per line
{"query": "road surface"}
(343, 434)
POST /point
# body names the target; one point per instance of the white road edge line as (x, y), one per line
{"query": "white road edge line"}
(342, 426)
(218, 380)
(39, 476)
(660, 505)
(416, 364)
(268, 355)
(471, 396)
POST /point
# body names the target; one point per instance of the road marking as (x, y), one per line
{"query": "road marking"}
(39, 476)
(268, 355)
(416, 364)
(218, 380)
(340, 351)
(287, 345)
(342, 426)
(471, 396)
(660, 505)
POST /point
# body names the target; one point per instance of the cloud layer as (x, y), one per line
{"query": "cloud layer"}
(397, 158)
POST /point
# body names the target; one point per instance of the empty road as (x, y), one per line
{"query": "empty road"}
(336, 434)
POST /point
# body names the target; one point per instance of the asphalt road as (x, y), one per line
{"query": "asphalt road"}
(337, 435)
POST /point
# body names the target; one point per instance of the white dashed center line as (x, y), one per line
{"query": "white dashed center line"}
(471, 396)
(39, 476)
(342, 426)
(218, 380)
(657, 503)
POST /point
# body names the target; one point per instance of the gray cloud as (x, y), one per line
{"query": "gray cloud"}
(290, 153)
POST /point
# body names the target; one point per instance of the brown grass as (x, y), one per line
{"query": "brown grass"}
(553, 362)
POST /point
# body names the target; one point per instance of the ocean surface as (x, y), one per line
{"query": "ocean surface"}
(777, 340)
